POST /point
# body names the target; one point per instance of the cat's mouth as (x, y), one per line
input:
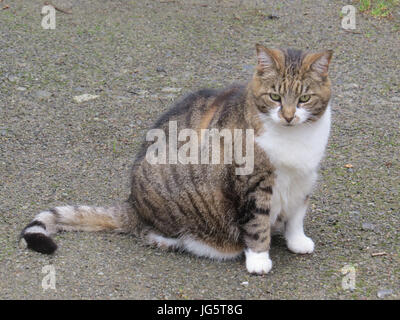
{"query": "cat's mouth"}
(297, 119)
(289, 124)
(276, 117)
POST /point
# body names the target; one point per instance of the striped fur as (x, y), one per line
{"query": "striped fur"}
(208, 209)
(75, 218)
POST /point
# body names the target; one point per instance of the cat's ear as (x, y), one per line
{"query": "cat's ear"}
(269, 59)
(318, 62)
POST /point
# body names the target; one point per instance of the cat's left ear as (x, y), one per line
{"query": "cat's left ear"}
(269, 59)
(318, 62)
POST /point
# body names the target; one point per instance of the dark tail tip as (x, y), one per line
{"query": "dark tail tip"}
(40, 242)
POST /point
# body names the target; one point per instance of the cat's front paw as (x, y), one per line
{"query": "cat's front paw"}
(258, 262)
(300, 244)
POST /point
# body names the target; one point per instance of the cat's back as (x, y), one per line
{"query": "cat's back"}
(198, 109)
(202, 109)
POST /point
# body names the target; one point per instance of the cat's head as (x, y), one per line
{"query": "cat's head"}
(291, 87)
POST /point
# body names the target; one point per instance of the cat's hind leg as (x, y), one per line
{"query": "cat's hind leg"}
(202, 249)
(193, 246)
(155, 239)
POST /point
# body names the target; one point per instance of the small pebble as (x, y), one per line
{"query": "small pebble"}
(42, 94)
(161, 69)
(332, 221)
(85, 97)
(171, 90)
(13, 78)
(351, 86)
(384, 293)
(367, 226)
(142, 92)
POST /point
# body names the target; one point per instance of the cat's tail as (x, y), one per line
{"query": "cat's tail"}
(119, 218)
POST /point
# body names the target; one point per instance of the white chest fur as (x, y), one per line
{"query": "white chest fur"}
(295, 152)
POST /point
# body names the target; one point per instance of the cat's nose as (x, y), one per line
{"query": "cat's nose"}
(288, 118)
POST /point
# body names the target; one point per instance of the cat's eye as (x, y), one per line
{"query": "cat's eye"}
(275, 97)
(305, 98)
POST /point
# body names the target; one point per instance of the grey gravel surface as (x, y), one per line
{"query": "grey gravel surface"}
(138, 57)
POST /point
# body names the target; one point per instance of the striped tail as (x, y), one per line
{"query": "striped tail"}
(37, 234)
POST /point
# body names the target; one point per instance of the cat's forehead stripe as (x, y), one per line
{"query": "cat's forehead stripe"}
(289, 84)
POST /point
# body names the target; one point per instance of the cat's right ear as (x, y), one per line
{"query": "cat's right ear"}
(318, 62)
(269, 59)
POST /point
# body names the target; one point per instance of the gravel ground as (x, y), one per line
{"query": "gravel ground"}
(57, 151)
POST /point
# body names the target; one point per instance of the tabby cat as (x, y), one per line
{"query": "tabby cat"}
(208, 209)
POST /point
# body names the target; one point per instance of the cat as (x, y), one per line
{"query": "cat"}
(208, 209)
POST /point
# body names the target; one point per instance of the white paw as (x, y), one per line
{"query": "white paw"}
(300, 244)
(258, 262)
